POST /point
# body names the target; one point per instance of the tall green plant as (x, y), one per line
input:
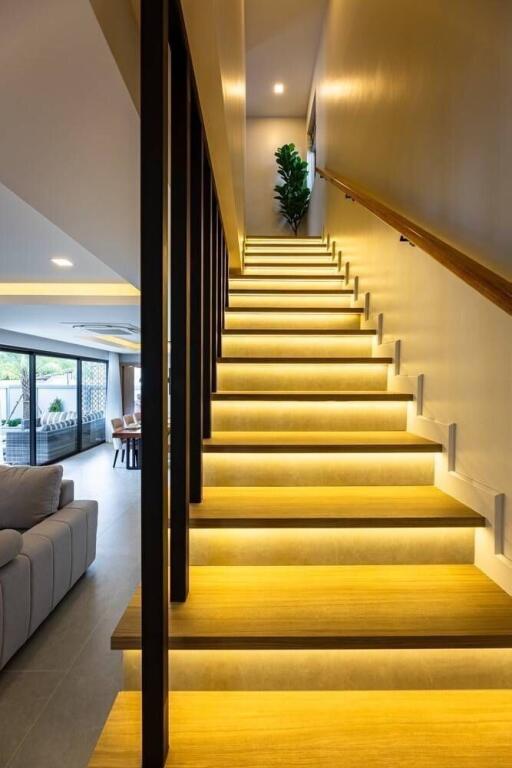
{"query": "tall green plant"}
(293, 194)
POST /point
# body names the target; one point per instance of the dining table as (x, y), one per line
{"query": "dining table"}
(132, 436)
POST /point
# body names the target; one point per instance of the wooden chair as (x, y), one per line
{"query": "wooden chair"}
(119, 445)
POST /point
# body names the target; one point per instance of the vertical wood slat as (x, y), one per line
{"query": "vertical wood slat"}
(207, 296)
(154, 337)
(180, 305)
(196, 304)
(214, 334)
(220, 280)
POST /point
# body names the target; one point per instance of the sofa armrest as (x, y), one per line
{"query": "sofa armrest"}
(11, 543)
(67, 493)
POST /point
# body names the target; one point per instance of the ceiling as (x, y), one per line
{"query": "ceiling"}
(70, 130)
(56, 321)
(28, 242)
(282, 39)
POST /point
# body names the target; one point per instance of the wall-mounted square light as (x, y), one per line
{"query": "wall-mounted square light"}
(278, 88)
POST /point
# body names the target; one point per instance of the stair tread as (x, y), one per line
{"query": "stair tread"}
(340, 360)
(332, 606)
(288, 276)
(299, 332)
(346, 506)
(288, 395)
(307, 729)
(276, 442)
(301, 310)
(291, 291)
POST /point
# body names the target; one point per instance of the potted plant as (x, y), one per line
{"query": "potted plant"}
(293, 194)
(56, 406)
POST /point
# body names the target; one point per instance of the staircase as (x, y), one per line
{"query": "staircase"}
(335, 618)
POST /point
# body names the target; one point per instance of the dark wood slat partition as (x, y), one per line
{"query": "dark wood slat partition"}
(207, 296)
(180, 306)
(196, 303)
(154, 336)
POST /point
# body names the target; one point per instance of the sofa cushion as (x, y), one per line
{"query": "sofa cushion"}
(10, 546)
(28, 495)
(67, 493)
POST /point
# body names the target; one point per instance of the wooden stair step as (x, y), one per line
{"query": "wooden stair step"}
(288, 276)
(301, 310)
(293, 291)
(301, 264)
(332, 607)
(319, 442)
(309, 729)
(342, 360)
(299, 332)
(313, 397)
(331, 507)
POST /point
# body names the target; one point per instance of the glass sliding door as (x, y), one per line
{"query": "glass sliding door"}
(94, 402)
(14, 408)
(56, 408)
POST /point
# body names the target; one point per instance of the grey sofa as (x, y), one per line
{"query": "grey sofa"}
(55, 437)
(47, 542)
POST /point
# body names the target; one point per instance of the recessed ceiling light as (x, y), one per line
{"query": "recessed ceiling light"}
(278, 88)
(62, 262)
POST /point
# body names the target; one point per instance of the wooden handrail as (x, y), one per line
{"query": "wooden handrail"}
(491, 285)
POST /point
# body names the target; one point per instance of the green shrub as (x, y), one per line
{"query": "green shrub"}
(56, 406)
(293, 194)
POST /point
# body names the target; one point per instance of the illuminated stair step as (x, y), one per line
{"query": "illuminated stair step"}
(296, 346)
(303, 729)
(308, 607)
(298, 321)
(331, 546)
(332, 670)
(266, 729)
(290, 263)
(287, 278)
(288, 258)
(318, 442)
(278, 300)
(284, 283)
(349, 507)
(292, 415)
(301, 373)
(336, 285)
(299, 332)
(317, 468)
(291, 271)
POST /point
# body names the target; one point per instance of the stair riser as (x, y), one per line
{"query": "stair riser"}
(326, 271)
(304, 416)
(331, 546)
(291, 321)
(306, 469)
(297, 346)
(277, 301)
(431, 669)
(286, 284)
(291, 258)
(308, 377)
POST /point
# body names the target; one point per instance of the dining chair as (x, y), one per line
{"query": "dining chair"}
(118, 443)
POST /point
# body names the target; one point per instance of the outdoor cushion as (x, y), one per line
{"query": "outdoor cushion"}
(28, 495)
(11, 543)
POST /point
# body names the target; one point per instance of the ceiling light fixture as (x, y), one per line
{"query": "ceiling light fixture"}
(278, 88)
(60, 262)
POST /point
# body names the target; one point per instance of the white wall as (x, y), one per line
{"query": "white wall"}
(404, 111)
(264, 136)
